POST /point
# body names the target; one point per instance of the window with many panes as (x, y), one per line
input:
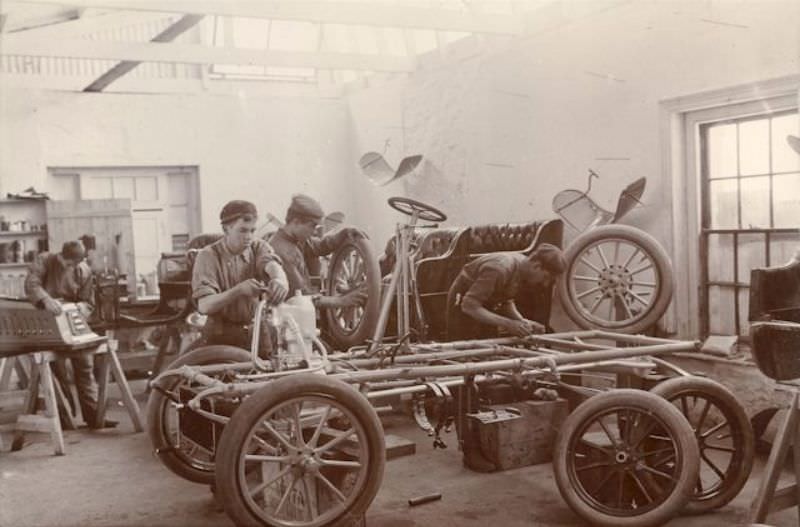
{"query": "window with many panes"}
(750, 210)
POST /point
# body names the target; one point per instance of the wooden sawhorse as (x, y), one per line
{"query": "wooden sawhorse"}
(41, 378)
(768, 499)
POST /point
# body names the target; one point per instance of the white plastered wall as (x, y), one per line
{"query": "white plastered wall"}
(504, 129)
(259, 148)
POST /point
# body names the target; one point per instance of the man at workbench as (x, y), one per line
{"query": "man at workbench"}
(481, 299)
(67, 277)
(229, 275)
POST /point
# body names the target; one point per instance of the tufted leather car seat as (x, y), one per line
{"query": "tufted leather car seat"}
(435, 274)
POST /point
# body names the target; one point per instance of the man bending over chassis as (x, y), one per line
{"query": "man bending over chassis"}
(481, 300)
(230, 273)
(295, 240)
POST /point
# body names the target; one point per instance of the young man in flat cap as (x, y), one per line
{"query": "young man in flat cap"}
(481, 300)
(229, 275)
(67, 277)
(296, 241)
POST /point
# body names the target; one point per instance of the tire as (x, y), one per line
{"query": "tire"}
(349, 327)
(604, 483)
(684, 393)
(627, 294)
(356, 472)
(160, 410)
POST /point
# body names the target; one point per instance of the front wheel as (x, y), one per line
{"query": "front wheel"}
(626, 458)
(618, 278)
(305, 451)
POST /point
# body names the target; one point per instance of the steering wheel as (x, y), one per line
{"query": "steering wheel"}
(410, 206)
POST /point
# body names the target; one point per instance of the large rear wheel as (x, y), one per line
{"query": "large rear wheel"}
(183, 440)
(353, 266)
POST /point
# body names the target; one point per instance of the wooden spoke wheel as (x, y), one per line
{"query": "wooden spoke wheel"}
(353, 266)
(724, 436)
(183, 440)
(306, 451)
(626, 458)
(618, 278)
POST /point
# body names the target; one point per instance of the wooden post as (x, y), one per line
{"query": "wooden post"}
(767, 498)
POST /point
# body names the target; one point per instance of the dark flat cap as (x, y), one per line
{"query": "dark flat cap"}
(305, 206)
(233, 210)
(73, 250)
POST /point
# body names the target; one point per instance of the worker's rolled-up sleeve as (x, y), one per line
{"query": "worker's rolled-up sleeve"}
(483, 287)
(205, 275)
(34, 282)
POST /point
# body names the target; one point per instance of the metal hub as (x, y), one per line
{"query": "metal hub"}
(622, 457)
(615, 280)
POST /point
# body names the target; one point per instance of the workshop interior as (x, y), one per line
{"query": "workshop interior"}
(399, 263)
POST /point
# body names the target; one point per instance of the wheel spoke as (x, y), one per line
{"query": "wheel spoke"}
(703, 415)
(324, 419)
(616, 251)
(285, 496)
(644, 284)
(728, 449)
(264, 484)
(335, 441)
(641, 487)
(639, 298)
(607, 431)
(311, 505)
(588, 292)
(628, 311)
(711, 464)
(591, 466)
(252, 458)
(658, 473)
(299, 428)
(340, 463)
(642, 268)
(631, 257)
(602, 482)
(277, 435)
(584, 278)
(590, 264)
(714, 429)
(603, 259)
(596, 305)
(264, 445)
(589, 444)
(331, 486)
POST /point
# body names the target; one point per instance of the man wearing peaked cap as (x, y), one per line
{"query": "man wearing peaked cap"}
(229, 275)
(296, 243)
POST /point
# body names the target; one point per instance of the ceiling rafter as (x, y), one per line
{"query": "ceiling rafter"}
(333, 12)
(185, 23)
(197, 54)
(86, 25)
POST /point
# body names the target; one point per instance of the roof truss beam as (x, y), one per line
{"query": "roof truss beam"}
(333, 12)
(196, 54)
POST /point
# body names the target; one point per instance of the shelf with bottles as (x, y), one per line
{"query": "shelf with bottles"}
(23, 232)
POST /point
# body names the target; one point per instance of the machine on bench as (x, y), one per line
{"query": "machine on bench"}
(25, 329)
